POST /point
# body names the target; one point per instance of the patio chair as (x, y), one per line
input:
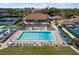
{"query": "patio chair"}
(47, 44)
(35, 43)
(50, 43)
(26, 44)
(18, 44)
(32, 44)
(15, 45)
(42, 44)
(23, 44)
(0, 45)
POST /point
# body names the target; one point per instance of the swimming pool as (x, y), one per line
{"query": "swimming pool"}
(36, 36)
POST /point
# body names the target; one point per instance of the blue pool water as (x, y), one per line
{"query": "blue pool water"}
(36, 36)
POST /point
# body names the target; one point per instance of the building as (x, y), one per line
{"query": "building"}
(58, 18)
(75, 20)
(36, 20)
(68, 23)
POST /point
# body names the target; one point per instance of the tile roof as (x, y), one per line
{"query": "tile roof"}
(36, 16)
(68, 22)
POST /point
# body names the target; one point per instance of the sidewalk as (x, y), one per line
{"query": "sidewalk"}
(74, 49)
(3, 45)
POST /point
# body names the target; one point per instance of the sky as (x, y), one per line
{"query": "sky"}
(39, 5)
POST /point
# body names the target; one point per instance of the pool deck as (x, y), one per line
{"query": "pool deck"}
(13, 37)
(3, 45)
(18, 33)
(58, 39)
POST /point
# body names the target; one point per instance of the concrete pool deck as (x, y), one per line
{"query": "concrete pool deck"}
(13, 37)
(18, 33)
(58, 39)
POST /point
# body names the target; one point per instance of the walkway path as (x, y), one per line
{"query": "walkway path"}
(3, 45)
(74, 49)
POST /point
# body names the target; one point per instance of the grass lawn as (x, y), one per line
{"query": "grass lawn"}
(38, 51)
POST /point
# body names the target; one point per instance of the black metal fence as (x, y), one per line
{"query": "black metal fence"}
(7, 36)
(75, 34)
